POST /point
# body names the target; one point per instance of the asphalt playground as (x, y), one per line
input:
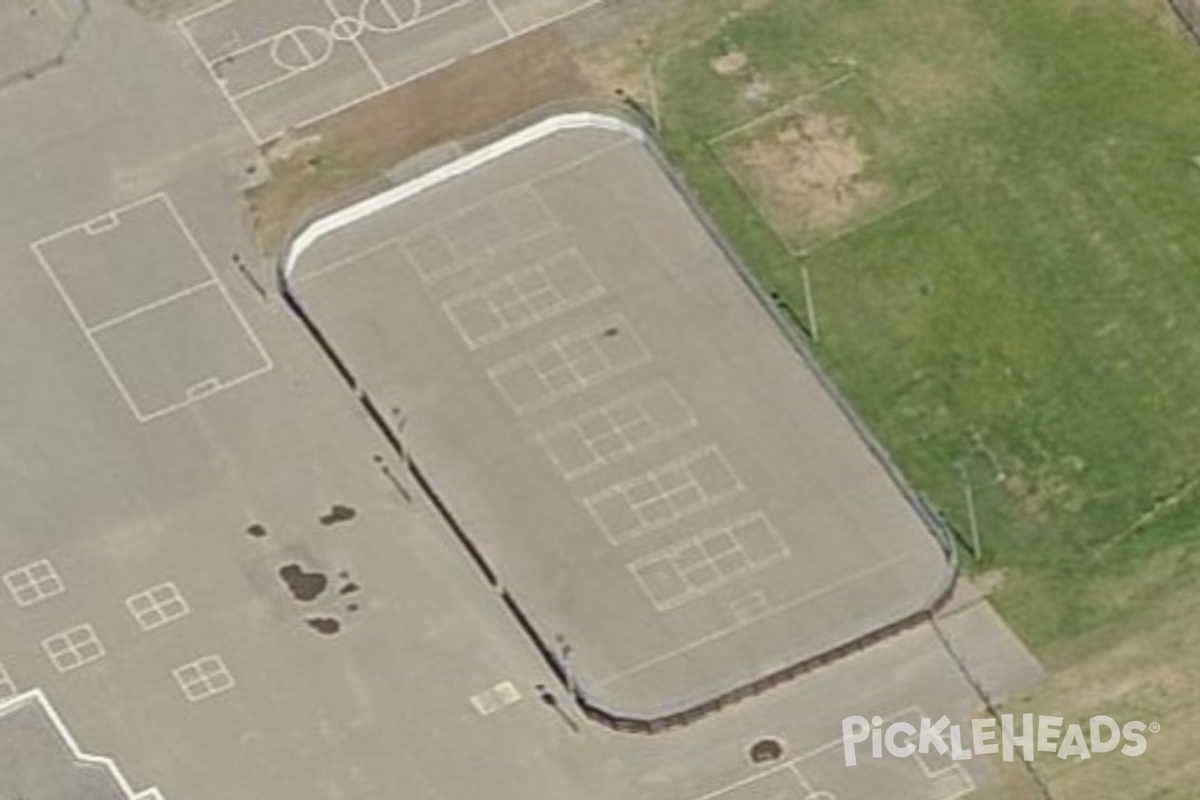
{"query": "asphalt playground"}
(221, 581)
(283, 66)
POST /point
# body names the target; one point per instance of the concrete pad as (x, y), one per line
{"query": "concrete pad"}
(996, 659)
(667, 564)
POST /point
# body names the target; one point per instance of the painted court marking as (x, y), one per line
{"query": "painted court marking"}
(605, 435)
(521, 299)
(948, 782)
(344, 30)
(750, 607)
(38, 697)
(33, 583)
(569, 364)
(73, 648)
(664, 495)
(696, 566)
(491, 700)
(157, 606)
(108, 222)
(203, 678)
(525, 214)
(8, 687)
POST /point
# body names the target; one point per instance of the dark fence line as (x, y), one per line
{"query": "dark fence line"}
(1188, 12)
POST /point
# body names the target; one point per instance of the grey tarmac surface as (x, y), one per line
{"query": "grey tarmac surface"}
(240, 696)
(283, 66)
(656, 475)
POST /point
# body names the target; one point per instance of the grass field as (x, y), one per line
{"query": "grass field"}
(998, 204)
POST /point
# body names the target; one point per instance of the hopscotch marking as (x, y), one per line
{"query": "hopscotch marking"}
(33, 583)
(73, 648)
(204, 678)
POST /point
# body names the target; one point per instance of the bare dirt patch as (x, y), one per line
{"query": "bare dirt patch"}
(321, 163)
(732, 63)
(809, 172)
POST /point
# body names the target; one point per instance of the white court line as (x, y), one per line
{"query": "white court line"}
(693, 590)
(290, 73)
(8, 687)
(295, 37)
(36, 696)
(529, 317)
(400, 239)
(100, 354)
(214, 280)
(778, 609)
(681, 465)
(171, 298)
(209, 9)
(102, 223)
(638, 400)
(508, 29)
(366, 58)
(460, 166)
(216, 79)
(262, 139)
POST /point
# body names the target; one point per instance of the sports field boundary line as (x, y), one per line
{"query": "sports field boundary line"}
(38, 698)
(497, 148)
(782, 109)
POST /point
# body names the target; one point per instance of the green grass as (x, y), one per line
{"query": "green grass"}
(1036, 321)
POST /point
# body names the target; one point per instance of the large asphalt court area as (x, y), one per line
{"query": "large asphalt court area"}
(655, 473)
(218, 573)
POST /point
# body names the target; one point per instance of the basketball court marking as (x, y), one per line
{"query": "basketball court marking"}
(604, 436)
(33, 583)
(210, 284)
(157, 606)
(343, 29)
(569, 364)
(8, 687)
(203, 678)
(73, 648)
(664, 495)
(694, 567)
(491, 700)
(522, 299)
(949, 782)
(38, 697)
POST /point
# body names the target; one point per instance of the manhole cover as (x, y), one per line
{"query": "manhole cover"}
(764, 751)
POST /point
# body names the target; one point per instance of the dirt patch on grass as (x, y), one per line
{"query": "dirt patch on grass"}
(320, 163)
(732, 63)
(809, 172)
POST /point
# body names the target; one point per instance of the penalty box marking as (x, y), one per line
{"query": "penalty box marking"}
(104, 223)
